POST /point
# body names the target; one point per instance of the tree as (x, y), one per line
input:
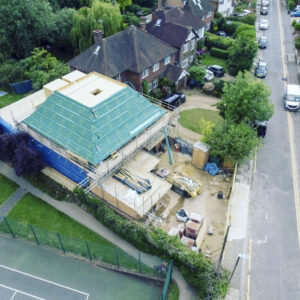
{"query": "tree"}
(197, 73)
(245, 100)
(241, 55)
(10, 72)
(234, 141)
(145, 3)
(291, 4)
(24, 24)
(105, 16)
(123, 4)
(131, 19)
(63, 24)
(145, 85)
(42, 68)
(7, 146)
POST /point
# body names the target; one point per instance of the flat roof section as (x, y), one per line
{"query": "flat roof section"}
(73, 76)
(92, 89)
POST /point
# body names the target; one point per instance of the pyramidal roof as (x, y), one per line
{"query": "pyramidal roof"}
(93, 131)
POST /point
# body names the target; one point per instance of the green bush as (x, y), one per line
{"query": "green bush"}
(297, 42)
(218, 15)
(216, 52)
(294, 22)
(197, 73)
(230, 27)
(200, 44)
(291, 4)
(219, 84)
(216, 41)
(243, 27)
(250, 34)
(145, 85)
(11, 72)
(249, 19)
(297, 26)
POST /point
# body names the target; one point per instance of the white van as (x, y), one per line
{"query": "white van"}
(292, 97)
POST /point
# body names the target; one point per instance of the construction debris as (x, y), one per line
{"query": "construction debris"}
(140, 185)
(183, 185)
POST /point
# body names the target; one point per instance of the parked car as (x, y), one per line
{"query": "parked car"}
(263, 42)
(217, 70)
(221, 33)
(295, 13)
(173, 100)
(261, 128)
(264, 10)
(244, 13)
(265, 2)
(261, 70)
(264, 24)
(208, 76)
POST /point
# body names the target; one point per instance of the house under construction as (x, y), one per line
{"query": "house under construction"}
(89, 126)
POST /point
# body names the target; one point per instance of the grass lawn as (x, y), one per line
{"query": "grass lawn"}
(210, 60)
(11, 98)
(47, 221)
(191, 118)
(7, 188)
(173, 293)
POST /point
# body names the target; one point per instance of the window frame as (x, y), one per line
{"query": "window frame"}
(155, 67)
(145, 73)
(167, 60)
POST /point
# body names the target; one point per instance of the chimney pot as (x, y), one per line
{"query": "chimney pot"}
(142, 24)
(97, 35)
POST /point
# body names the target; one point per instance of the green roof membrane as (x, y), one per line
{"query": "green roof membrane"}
(94, 132)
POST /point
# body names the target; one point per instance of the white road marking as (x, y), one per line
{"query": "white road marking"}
(13, 296)
(262, 241)
(20, 292)
(47, 281)
(266, 216)
(249, 269)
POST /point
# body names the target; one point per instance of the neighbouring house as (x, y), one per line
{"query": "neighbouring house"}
(183, 38)
(130, 56)
(86, 128)
(202, 9)
(224, 7)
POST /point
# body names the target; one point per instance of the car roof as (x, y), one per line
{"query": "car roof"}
(216, 67)
(262, 64)
(263, 38)
(264, 21)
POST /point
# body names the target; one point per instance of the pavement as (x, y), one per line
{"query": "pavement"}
(84, 218)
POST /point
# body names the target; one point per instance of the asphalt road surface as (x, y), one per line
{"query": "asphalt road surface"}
(274, 254)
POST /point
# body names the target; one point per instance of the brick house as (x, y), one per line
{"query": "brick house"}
(224, 7)
(130, 56)
(183, 38)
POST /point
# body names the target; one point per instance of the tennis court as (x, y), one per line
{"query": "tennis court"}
(28, 272)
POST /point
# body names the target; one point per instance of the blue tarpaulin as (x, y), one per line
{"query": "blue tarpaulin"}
(22, 87)
(211, 168)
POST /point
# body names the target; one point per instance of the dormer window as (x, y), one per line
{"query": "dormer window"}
(155, 67)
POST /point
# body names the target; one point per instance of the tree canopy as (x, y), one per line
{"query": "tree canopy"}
(100, 15)
(24, 24)
(241, 54)
(197, 73)
(232, 141)
(246, 100)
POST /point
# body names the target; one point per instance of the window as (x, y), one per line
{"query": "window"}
(184, 63)
(150, 86)
(209, 14)
(167, 60)
(145, 73)
(155, 67)
(185, 48)
(192, 44)
(118, 77)
(191, 58)
(155, 84)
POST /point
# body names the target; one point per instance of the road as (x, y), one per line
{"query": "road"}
(274, 254)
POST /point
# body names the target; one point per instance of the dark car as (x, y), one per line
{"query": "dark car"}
(217, 70)
(221, 33)
(264, 10)
(261, 70)
(263, 42)
(173, 100)
(261, 128)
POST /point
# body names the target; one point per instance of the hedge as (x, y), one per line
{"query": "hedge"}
(216, 52)
(249, 19)
(243, 27)
(247, 34)
(231, 27)
(197, 270)
(213, 40)
(297, 26)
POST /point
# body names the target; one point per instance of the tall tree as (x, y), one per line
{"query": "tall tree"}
(100, 15)
(241, 54)
(246, 100)
(24, 24)
(233, 141)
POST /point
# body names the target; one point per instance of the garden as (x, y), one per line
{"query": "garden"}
(7, 188)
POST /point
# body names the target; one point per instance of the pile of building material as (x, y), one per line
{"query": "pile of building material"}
(135, 182)
(183, 185)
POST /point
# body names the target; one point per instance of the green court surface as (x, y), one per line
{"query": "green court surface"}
(29, 272)
(7, 187)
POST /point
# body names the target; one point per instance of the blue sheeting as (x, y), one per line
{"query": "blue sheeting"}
(22, 87)
(51, 158)
(211, 168)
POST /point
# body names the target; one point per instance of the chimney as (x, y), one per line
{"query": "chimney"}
(143, 23)
(97, 35)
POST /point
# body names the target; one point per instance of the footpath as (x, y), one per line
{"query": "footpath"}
(81, 216)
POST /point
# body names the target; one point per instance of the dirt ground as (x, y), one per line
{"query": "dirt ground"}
(206, 203)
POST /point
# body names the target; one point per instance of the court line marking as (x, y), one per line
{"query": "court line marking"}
(20, 292)
(45, 280)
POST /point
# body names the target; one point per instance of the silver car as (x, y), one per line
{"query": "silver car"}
(264, 24)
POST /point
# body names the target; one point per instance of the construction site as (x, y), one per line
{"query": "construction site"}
(99, 134)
